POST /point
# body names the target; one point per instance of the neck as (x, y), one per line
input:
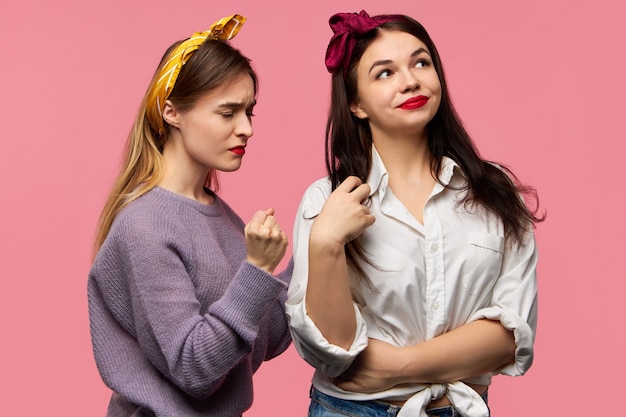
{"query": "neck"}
(182, 176)
(405, 157)
(410, 177)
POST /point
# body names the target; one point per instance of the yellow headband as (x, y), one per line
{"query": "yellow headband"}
(225, 29)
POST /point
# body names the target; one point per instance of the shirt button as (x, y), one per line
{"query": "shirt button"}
(434, 247)
(435, 306)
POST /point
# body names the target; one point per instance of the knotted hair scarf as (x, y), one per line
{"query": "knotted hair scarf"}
(224, 29)
(347, 27)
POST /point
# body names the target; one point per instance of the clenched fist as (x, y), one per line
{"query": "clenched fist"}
(266, 243)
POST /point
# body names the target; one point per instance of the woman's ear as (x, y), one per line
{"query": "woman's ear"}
(170, 114)
(358, 111)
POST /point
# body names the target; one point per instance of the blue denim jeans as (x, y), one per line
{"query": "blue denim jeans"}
(323, 405)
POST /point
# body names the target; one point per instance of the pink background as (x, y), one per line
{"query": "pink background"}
(539, 84)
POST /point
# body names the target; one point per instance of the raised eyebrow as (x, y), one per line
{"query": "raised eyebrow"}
(419, 51)
(415, 53)
(378, 63)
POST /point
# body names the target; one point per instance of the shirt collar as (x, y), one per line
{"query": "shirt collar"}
(379, 177)
(448, 168)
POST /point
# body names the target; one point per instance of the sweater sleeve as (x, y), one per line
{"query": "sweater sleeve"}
(279, 337)
(195, 350)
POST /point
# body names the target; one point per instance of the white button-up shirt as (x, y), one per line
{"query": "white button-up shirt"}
(429, 279)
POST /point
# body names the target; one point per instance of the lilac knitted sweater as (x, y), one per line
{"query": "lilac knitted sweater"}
(179, 320)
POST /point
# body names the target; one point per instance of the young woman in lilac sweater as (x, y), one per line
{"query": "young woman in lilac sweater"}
(183, 303)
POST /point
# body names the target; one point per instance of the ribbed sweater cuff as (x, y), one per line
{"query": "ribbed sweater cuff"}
(248, 297)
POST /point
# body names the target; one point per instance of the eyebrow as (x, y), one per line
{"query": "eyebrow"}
(236, 105)
(389, 61)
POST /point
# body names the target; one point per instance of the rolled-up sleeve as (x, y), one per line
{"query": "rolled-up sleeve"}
(514, 302)
(330, 359)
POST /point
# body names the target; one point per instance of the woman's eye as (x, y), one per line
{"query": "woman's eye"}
(227, 114)
(422, 63)
(383, 74)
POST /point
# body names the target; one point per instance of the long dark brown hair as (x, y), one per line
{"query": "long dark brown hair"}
(349, 147)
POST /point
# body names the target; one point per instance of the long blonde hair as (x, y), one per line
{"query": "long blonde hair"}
(213, 64)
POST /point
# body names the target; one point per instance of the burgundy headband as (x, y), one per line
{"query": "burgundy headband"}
(346, 28)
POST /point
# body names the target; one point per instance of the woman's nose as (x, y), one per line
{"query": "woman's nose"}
(410, 82)
(244, 126)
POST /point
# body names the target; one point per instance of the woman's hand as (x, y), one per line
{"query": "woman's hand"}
(373, 370)
(344, 216)
(266, 243)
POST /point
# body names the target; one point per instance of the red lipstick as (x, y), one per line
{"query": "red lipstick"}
(414, 103)
(239, 150)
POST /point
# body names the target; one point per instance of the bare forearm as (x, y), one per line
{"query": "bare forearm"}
(470, 350)
(328, 297)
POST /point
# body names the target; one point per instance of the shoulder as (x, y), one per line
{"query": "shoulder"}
(314, 197)
(149, 219)
(149, 208)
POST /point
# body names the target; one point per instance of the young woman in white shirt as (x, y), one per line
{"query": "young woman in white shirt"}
(415, 259)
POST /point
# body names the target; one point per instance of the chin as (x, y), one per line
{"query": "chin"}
(229, 169)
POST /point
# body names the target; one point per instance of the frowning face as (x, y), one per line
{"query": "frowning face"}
(214, 133)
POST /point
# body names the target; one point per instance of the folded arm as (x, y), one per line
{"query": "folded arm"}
(498, 338)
